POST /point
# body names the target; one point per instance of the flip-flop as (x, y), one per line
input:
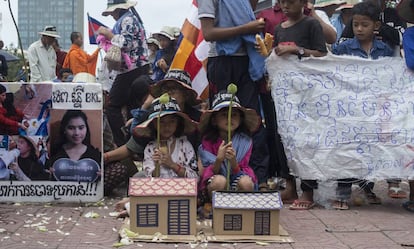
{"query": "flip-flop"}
(301, 205)
(340, 205)
(397, 193)
(409, 206)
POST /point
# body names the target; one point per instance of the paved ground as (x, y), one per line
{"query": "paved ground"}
(65, 226)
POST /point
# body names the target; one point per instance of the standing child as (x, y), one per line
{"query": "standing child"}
(216, 153)
(165, 55)
(299, 35)
(365, 22)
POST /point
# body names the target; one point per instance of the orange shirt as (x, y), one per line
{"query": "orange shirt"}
(79, 61)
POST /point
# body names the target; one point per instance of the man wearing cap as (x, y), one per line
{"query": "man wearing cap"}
(129, 34)
(42, 56)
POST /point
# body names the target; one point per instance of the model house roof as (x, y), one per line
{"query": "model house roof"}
(247, 200)
(162, 187)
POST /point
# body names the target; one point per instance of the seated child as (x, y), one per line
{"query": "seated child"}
(178, 158)
(216, 153)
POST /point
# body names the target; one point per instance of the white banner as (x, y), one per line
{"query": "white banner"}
(343, 117)
(77, 96)
(47, 117)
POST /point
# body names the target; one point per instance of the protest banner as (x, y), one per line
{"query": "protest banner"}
(344, 116)
(39, 159)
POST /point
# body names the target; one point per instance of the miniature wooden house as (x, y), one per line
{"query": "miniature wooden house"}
(165, 205)
(246, 213)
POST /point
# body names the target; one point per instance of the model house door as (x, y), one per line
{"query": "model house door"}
(179, 217)
(262, 223)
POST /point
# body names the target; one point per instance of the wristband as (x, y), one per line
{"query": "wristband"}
(179, 168)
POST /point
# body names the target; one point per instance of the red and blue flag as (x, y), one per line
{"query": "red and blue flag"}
(93, 26)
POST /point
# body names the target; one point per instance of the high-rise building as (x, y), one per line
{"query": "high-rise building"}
(264, 4)
(66, 15)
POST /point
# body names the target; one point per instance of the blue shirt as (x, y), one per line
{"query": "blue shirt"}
(408, 45)
(353, 47)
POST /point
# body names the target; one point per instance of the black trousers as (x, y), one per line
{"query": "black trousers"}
(118, 98)
(223, 70)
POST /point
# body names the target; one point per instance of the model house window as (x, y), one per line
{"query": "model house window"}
(262, 223)
(179, 217)
(233, 222)
(147, 215)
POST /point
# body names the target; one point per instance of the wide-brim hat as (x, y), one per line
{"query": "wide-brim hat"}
(183, 79)
(325, 3)
(118, 4)
(405, 11)
(222, 100)
(50, 31)
(166, 31)
(348, 5)
(154, 41)
(160, 110)
(32, 144)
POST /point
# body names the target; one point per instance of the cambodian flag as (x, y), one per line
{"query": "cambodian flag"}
(93, 26)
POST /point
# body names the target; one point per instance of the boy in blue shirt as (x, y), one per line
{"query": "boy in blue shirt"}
(365, 23)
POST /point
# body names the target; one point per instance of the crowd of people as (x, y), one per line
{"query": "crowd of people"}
(147, 101)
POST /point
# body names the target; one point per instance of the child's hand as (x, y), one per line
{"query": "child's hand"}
(221, 152)
(231, 155)
(163, 158)
(283, 49)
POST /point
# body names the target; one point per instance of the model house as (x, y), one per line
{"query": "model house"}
(246, 213)
(165, 205)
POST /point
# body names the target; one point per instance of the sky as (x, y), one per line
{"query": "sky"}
(154, 13)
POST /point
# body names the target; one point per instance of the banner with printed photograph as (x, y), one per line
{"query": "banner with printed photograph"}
(51, 142)
(343, 116)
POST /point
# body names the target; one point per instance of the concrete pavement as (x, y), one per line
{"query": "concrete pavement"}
(65, 226)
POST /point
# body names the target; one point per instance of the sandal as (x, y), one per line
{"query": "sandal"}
(397, 193)
(409, 206)
(372, 198)
(301, 205)
(340, 205)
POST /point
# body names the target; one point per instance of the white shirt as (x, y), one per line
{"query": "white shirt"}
(42, 62)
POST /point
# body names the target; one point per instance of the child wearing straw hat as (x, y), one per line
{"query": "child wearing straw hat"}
(216, 154)
(178, 159)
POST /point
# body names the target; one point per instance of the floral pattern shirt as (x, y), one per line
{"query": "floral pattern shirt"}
(182, 153)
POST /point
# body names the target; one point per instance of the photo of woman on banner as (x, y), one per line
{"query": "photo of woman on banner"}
(73, 157)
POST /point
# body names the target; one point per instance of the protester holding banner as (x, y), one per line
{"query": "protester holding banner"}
(365, 20)
(390, 30)
(298, 35)
(128, 36)
(77, 59)
(27, 167)
(406, 11)
(10, 117)
(74, 146)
